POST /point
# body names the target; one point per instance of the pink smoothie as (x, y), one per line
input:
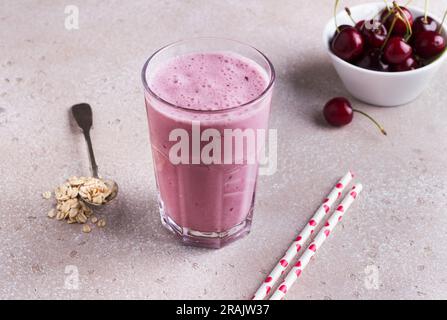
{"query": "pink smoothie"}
(196, 199)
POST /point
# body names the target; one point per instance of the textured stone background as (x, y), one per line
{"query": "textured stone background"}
(396, 229)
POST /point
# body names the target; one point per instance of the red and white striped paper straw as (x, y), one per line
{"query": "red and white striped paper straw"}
(293, 275)
(295, 247)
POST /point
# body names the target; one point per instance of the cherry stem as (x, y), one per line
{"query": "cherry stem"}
(404, 18)
(390, 12)
(350, 16)
(386, 4)
(382, 130)
(442, 22)
(388, 36)
(335, 15)
(426, 11)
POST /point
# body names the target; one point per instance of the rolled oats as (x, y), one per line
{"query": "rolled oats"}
(101, 223)
(52, 213)
(75, 181)
(59, 215)
(70, 197)
(81, 218)
(73, 212)
(46, 195)
(94, 190)
(65, 207)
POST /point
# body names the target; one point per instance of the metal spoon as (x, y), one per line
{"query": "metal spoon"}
(83, 115)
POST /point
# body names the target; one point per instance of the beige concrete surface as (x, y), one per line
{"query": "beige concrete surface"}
(392, 244)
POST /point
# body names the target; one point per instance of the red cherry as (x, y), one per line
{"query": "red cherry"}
(348, 44)
(397, 50)
(429, 44)
(400, 28)
(359, 25)
(421, 24)
(409, 64)
(373, 60)
(339, 112)
(340, 28)
(374, 33)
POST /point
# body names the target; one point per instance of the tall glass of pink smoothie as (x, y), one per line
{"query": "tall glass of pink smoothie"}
(200, 91)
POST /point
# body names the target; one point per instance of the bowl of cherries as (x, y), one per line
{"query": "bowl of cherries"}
(386, 54)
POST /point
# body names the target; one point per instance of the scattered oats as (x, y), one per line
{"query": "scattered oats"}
(59, 215)
(46, 195)
(74, 192)
(65, 207)
(73, 212)
(84, 207)
(61, 193)
(81, 218)
(94, 219)
(101, 223)
(75, 204)
(52, 213)
(86, 228)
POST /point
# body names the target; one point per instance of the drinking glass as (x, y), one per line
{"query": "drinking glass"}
(206, 204)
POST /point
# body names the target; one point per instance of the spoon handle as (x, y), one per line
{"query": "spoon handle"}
(84, 117)
(91, 154)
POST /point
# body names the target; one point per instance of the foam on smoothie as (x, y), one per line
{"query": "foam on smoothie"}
(209, 81)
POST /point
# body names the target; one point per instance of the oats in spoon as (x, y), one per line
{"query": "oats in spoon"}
(94, 191)
(71, 199)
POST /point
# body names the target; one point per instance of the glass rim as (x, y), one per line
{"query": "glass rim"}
(272, 76)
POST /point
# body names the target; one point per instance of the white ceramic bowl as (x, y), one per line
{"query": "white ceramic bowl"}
(384, 89)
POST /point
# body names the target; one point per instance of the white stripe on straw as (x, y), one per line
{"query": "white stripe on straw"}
(295, 247)
(293, 275)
